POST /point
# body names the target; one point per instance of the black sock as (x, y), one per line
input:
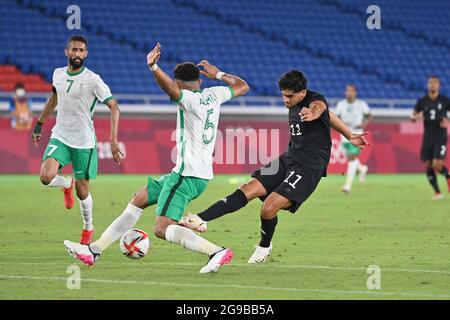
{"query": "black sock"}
(267, 231)
(431, 175)
(233, 202)
(444, 171)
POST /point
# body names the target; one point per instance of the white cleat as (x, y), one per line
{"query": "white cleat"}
(260, 255)
(81, 252)
(345, 189)
(219, 259)
(362, 173)
(194, 222)
(438, 196)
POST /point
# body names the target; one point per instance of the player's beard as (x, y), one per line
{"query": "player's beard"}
(76, 63)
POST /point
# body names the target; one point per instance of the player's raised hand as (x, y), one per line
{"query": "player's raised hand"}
(306, 114)
(117, 154)
(210, 71)
(153, 56)
(359, 140)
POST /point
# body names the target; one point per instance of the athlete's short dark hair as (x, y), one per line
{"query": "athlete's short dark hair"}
(77, 37)
(186, 71)
(293, 80)
(434, 77)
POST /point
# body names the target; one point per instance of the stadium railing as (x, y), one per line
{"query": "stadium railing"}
(252, 105)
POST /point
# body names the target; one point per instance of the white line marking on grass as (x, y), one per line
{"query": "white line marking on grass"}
(247, 265)
(225, 286)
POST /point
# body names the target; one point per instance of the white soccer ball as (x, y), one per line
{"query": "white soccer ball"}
(134, 244)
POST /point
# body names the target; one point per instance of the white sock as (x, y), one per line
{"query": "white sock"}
(86, 212)
(360, 166)
(352, 167)
(189, 240)
(122, 224)
(60, 181)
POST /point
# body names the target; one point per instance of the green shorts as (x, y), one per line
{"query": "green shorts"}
(84, 161)
(351, 150)
(173, 192)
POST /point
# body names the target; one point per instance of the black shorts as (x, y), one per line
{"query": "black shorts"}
(433, 148)
(289, 179)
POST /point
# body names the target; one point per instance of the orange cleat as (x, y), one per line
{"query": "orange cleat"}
(86, 236)
(68, 195)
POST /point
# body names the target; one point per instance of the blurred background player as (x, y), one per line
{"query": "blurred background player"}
(433, 110)
(75, 92)
(20, 107)
(355, 113)
(197, 122)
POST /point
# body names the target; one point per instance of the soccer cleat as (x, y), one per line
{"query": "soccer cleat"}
(81, 252)
(345, 189)
(86, 236)
(217, 260)
(260, 255)
(362, 173)
(438, 196)
(194, 222)
(68, 195)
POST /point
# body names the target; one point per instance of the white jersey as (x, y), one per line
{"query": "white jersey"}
(197, 121)
(77, 95)
(352, 114)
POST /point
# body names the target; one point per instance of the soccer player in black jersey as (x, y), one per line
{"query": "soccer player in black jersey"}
(433, 109)
(289, 180)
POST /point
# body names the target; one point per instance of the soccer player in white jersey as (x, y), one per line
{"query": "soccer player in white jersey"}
(355, 113)
(75, 93)
(197, 120)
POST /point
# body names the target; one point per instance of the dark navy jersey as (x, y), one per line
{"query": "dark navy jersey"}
(310, 143)
(433, 113)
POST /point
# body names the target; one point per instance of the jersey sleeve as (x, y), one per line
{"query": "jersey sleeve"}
(187, 100)
(418, 107)
(318, 97)
(223, 93)
(102, 91)
(366, 109)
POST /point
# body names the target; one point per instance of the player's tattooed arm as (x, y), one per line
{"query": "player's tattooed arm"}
(358, 140)
(50, 105)
(315, 110)
(164, 81)
(115, 113)
(239, 86)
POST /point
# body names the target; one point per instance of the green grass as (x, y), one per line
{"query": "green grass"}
(321, 252)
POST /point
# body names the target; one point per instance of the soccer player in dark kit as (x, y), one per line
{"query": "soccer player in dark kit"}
(290, 179)
(433, 109)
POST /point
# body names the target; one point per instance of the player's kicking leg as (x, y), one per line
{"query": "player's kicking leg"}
(439, 166)
(231, 203)
(56, 156)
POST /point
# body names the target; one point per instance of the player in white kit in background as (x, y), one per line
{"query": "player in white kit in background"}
(355, 113)
(75, 93)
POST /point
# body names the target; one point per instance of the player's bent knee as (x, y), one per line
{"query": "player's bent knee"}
(46, 178)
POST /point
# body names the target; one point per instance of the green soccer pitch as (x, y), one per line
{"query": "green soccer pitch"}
(321, 252)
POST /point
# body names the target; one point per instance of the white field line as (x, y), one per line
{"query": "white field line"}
(227, 286)
(280, 266)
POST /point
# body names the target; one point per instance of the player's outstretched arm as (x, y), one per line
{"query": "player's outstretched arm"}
(415, 116)
(48, 109)
(358, 140)
(115, 112)
(239, 86)
(164, 81)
